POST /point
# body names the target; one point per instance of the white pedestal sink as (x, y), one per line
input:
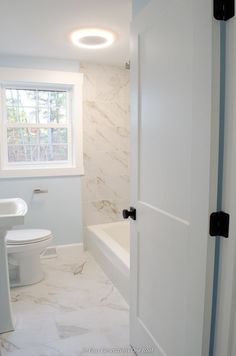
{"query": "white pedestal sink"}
(12, 212)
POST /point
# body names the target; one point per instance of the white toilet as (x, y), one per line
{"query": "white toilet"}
(24, 248)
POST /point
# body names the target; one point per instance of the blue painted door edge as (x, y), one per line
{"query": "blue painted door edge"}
(220, 181)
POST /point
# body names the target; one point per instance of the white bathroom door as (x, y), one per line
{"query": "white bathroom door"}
(174, 168)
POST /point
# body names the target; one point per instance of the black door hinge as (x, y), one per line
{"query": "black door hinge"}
(224, 9)
(219, 224)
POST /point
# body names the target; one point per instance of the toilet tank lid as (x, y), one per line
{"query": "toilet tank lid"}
(27, 236)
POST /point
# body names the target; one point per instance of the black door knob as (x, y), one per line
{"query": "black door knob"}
(125, 214)
(129, 213)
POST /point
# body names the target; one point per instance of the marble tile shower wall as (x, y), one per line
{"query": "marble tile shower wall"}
(106, 184)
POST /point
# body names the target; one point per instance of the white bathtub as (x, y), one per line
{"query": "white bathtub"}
(110, 246)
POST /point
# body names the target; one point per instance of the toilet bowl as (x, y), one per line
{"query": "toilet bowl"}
(24, 248)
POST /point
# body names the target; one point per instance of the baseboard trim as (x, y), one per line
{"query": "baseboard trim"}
(79, 244)
(53, 250)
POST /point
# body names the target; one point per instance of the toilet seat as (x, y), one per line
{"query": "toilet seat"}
(27, 236)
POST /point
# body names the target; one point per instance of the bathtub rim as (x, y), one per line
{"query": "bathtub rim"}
(111, 243)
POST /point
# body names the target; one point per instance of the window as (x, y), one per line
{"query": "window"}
(38, 126)
(41, 126)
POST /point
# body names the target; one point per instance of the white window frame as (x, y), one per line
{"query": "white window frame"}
(50, 80)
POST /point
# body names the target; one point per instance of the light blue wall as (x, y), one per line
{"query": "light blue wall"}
(60, 210)
(138, 5)
(39, 63)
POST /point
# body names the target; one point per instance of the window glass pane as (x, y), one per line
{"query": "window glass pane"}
(52, 135)
(60, 152)
(44, 135)
(16, 153)
(62, 115)
(44, 115)
(12, 115)
(22, 136)
(45, 153)
(27, 115)
(58, 115)
(11, 136)
(11, 97)
(53, 99)
(59, 135)
(61, 99)
(54, 115)
(57, 99)
(43, 98)
(53, 153)
(37, 145)
(27, 97)
(23, 153)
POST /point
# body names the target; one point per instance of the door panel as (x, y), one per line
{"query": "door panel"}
(174, 155)
(164, 294)
(166, 128)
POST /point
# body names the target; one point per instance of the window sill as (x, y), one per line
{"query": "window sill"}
(40, 172)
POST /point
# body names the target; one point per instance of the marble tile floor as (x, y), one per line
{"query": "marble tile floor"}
(74, 311)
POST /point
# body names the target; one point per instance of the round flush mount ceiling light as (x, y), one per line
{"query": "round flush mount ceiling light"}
(92, 38)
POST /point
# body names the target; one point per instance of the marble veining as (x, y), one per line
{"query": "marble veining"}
(74, 311)
(106, 184)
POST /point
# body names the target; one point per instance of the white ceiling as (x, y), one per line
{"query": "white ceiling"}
(41, 28)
